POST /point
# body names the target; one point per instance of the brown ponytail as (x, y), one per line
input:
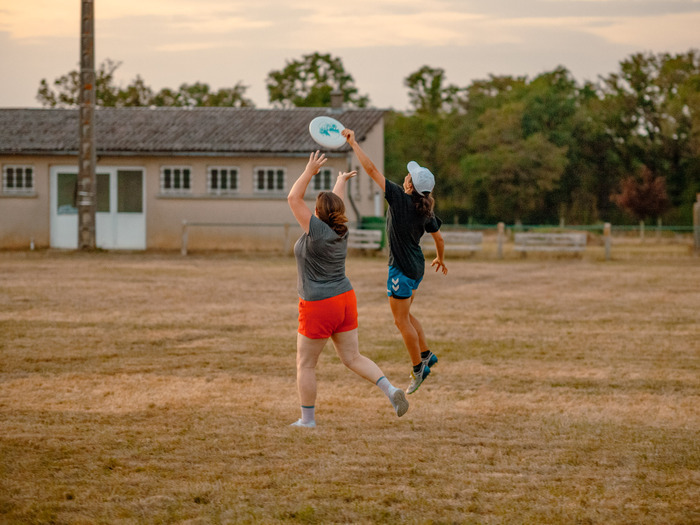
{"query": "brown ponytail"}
(423, 203)
(331, 210)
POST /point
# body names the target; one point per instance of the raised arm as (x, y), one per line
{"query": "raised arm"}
(301, 211)
(341, 181)
(366, 162)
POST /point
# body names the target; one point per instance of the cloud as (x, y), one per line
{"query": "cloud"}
(673, 32)
(220, 42)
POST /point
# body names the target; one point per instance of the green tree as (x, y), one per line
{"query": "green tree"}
(652, 112)
(310, 81)
(65, 92)
(428, 94)
(201, 95)
(509, 172)
(135, 94)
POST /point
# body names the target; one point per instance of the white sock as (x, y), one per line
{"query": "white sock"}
(386, 386)
(307, 414)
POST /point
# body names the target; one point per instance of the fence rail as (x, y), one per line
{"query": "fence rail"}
(504, 231)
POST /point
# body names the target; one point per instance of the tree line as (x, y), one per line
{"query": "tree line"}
(534, 151)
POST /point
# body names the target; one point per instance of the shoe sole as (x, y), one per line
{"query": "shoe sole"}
(299, 424)
(400, 402)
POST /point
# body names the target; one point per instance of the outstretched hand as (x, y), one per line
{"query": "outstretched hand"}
(346, 175)
(316, 160)
(349, 135)
(439, 265)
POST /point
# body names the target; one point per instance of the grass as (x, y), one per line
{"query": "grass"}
(154, 388)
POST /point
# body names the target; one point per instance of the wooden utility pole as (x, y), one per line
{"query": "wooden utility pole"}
(87, 157)
(696, 225)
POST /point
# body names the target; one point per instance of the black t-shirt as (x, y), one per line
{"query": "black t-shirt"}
(404, 229)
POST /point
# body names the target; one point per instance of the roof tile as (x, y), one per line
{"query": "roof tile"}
(174, 130)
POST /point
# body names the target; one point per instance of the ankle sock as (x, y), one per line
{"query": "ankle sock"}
(425, 354)
(386, 386)
(417, 368)
(307, 414)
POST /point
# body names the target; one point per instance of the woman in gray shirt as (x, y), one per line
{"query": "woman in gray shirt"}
(327, 303)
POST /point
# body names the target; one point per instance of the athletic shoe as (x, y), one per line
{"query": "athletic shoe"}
(300, 423)
(398, 399)
(431, 360)
(417, 379)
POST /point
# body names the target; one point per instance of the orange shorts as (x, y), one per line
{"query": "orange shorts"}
(321, 319)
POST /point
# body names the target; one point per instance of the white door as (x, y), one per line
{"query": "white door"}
(120, 218)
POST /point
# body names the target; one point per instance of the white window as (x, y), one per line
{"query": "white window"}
(269, 180)
(18, 179)
(323, 180)
(222, 180)
(175, 179)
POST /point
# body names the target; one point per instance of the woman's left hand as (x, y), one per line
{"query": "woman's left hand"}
(439, 265)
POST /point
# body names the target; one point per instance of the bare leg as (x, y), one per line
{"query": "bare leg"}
(347, 347)
(308, 351)
(423, 343)
(401, 309)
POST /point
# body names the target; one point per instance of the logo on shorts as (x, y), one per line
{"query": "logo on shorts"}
(395, 284)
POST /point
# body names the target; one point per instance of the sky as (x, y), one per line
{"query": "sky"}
(380, 42)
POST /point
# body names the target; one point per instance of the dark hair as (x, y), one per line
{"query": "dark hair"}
(331, 210)
(423, 203)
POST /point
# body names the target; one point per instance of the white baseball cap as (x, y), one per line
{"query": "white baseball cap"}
(422, 178)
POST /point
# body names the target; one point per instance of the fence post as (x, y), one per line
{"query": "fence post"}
(183, 249)
(606, 236)
(696, 224)
(501, 232)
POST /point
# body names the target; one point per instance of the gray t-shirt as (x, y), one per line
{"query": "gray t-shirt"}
(320, 256)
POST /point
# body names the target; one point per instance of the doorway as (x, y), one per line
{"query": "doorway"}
(120, 218)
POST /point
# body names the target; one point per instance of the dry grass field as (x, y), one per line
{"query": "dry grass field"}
(155, 388)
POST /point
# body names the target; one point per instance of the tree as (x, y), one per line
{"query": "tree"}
(643, 196)
(201, 95)
(66, 92)
(652, 114)
(310, 81)
(427, 93)
(66, 88)
(509, 172)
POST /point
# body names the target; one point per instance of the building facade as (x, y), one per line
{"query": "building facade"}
(225, 172)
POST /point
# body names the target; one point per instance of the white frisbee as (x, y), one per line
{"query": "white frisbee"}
(326, 131)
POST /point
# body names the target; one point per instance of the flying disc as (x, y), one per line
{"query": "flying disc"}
(326, 131)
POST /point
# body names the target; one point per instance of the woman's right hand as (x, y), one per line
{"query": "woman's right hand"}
(345, 175)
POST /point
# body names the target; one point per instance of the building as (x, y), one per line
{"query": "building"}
(158, 167)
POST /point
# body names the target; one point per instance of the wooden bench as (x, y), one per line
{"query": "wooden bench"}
(364, 239)
(455, 242)
(550, 242)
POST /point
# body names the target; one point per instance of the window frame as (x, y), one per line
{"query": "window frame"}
(24, 189)
(180, 190)
(276, 173)
(324, 175)
(232, 175)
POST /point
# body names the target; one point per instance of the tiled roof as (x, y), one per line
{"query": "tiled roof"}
(151, 131)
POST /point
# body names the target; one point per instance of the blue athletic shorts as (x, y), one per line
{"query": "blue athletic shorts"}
(399, 286)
